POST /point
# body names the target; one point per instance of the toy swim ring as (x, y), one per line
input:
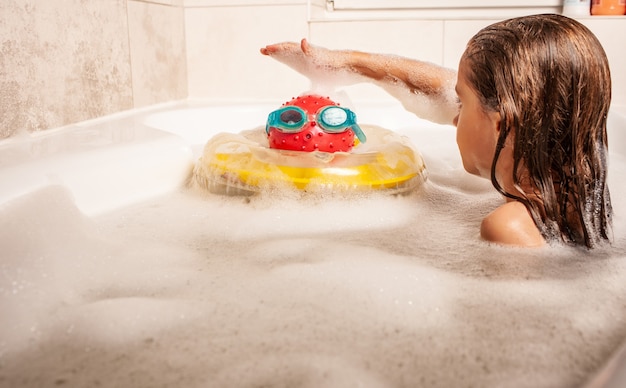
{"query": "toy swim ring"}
(312, 144)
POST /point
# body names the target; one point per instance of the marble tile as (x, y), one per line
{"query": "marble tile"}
(157, 49)
(62, 62)
(223, 45)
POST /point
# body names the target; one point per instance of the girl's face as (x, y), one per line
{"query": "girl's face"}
(477, 130)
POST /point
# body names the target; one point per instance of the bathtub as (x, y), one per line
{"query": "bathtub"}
(114, 273)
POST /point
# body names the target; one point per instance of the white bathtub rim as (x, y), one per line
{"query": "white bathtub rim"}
(164, 162)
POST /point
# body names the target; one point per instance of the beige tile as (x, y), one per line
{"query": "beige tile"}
(611, 32)
(457, 34)
(223, 52)
(157, 49)
(420, 39)
(164, 2)
(62, 64)
(233, 3)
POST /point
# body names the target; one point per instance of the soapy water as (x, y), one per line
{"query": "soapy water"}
(195, 289)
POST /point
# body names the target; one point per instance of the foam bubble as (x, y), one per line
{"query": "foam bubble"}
(194, 289)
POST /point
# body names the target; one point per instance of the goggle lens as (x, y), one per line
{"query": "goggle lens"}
(291, 117)
(334, 119)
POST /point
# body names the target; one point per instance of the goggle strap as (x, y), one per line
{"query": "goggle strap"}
(359, 133)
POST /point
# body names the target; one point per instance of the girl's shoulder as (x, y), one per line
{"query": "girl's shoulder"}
(511, 224)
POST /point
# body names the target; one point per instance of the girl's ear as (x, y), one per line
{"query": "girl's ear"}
(495, 119)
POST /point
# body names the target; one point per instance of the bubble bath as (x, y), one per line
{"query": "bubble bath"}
(112, 273)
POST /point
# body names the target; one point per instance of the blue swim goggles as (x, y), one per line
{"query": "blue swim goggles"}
(332, 119)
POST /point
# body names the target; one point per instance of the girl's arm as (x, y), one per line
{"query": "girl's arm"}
(423, 88)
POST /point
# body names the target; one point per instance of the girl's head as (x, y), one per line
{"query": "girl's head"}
(542, 86)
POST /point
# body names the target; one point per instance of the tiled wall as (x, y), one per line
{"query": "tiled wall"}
(64, 61)
(157, 52)
(223, 44)
(59, 65)
(443, 42)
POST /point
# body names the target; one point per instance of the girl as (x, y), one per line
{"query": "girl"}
(530, 103)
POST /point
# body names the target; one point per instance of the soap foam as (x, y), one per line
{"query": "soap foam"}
(207, 290)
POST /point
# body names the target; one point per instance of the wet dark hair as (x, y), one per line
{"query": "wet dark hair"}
(548, 77)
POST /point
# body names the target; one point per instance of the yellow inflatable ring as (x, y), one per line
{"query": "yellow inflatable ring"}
(242, 164)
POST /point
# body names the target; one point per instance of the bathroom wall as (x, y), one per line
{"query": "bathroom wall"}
(223, 43)
(64, 61)
(157, 51)
(59, 65)
(443, 42)
(416, 34)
